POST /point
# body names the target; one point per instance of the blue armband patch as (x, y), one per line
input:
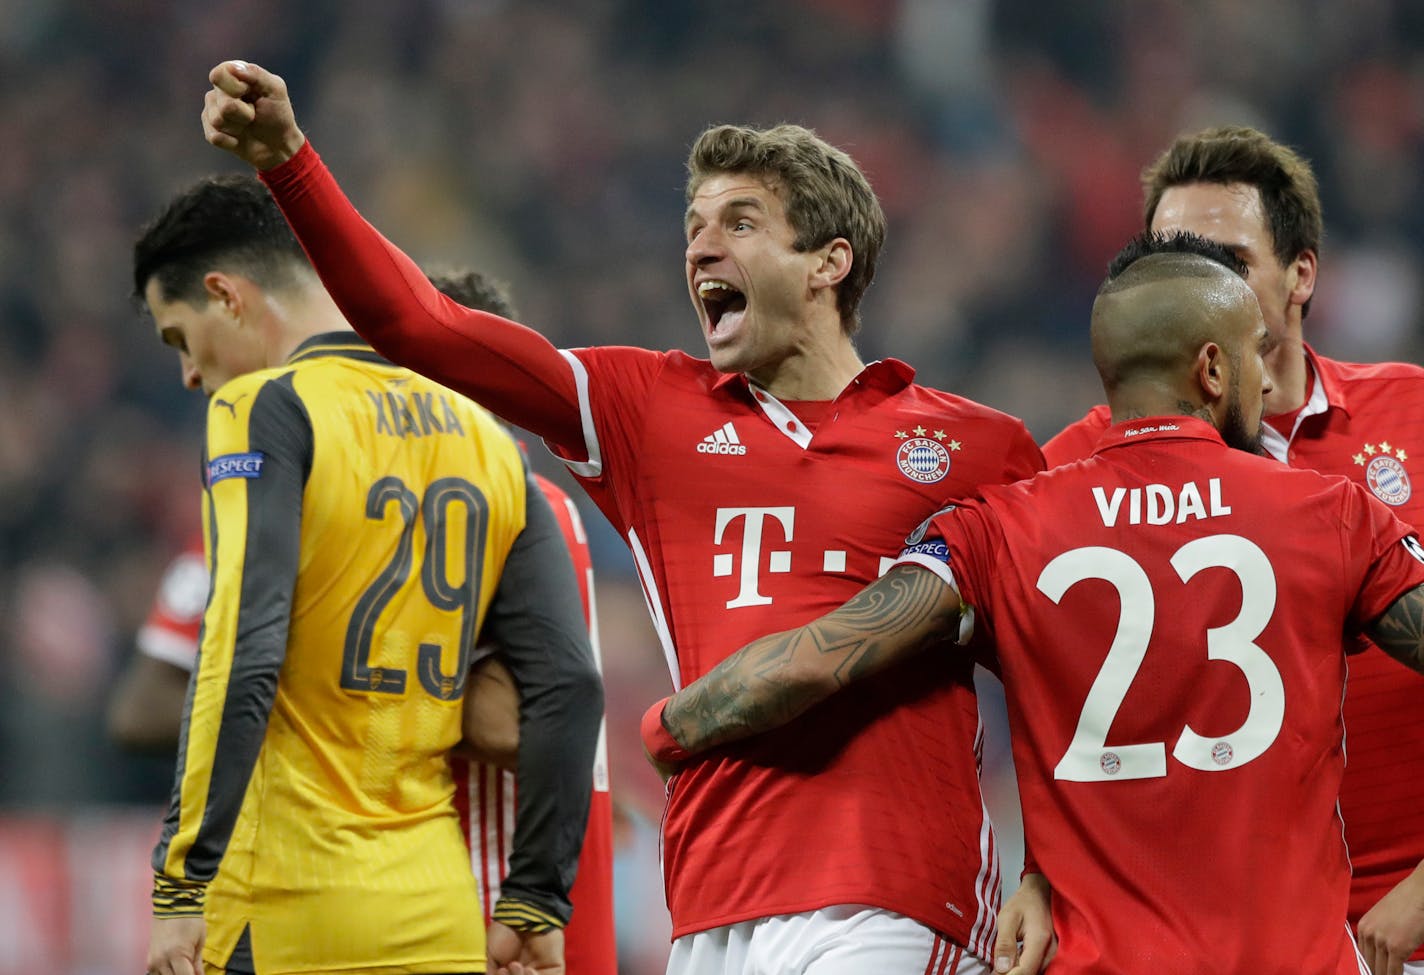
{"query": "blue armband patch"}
(936, 549)
(234, 465)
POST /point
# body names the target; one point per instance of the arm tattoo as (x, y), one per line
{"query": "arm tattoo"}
(1400, 631)
(772, 680)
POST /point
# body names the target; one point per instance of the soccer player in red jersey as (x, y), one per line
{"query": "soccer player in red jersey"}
(1168, 613)
(487, 801)
(1258, 198)
(760, 487)
(147, 705)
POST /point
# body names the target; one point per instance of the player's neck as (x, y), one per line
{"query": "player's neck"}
(1156, 397)
(1290, 376)
(299, 318)
(817, 372)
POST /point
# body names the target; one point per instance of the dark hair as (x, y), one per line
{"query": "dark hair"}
(1131, 340)
(228, 222)
(1180, 242)
(825, 193)
(1290, 197)
(473, 290)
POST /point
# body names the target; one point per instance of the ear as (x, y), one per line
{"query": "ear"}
(223, 288)
(1301, 275)
(836, 260)
(1212, 372)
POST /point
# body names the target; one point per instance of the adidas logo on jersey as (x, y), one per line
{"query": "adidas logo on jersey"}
(724, 441)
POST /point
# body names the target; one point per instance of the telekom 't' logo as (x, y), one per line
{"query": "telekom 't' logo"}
(753, 520)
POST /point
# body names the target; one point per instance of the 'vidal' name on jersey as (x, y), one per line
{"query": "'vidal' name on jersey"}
(1158, 504)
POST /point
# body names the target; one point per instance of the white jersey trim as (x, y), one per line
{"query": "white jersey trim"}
(1278, 446)
(600, 755)
(491, 835)
(1409, 968)
(988, 884)
(787, 424)
(655, 607)
(160, 644)
(593, 467)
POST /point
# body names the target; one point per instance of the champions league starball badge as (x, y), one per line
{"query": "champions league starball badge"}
(1385, 473)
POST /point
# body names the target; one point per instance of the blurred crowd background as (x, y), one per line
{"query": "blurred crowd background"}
(543, 141)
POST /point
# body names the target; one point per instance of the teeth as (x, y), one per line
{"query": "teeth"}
(707, 287)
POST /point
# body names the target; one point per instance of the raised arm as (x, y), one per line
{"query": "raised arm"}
(769, 682)
(1400, 631)
(508, 368)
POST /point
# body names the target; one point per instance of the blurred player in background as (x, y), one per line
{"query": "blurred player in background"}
(363, 527)
(1259, 199)
(760, 487)
(1145, 602)
(147, 706)
(590, 944)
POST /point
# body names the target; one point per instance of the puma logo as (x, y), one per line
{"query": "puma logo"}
(231, 407)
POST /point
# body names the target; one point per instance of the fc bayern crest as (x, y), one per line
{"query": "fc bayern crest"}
(1389, 480)
(922, 459)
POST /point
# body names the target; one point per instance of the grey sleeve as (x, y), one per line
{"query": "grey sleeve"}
(260, 595)
(537, 620)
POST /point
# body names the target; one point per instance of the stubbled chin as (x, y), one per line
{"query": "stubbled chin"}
(726, 356)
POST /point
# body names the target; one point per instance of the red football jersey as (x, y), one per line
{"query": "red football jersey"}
(1077, 439)
(742, 521)
(487, 803)
(1365, 422)
(170, 633)
(1169, 615)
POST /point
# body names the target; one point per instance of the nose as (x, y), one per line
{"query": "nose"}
(704, 248)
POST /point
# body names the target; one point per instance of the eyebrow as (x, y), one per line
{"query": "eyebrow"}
(741, 202)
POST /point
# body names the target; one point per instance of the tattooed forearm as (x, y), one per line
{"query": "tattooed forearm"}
(772, 680)
(1400, 631)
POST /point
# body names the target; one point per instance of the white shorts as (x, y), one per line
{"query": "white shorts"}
(1414, 967)
(843, 940)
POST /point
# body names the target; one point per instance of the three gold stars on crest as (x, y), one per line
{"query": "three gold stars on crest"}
(1383, 449)
(938, 435)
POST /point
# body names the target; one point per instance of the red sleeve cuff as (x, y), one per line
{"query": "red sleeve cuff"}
(291, 171)
(658, 740)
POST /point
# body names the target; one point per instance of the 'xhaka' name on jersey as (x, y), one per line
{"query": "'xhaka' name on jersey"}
(413, 414)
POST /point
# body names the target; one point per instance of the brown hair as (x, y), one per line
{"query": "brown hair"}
(825, 193)
(1290, 197)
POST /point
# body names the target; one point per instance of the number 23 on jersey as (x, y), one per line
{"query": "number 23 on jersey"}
(1089, 758)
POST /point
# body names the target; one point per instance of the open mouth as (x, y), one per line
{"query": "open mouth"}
(721, 302)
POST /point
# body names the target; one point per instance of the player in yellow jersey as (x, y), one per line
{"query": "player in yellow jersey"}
(363, 527)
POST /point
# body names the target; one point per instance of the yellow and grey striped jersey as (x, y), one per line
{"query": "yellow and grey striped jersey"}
(357, 521)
